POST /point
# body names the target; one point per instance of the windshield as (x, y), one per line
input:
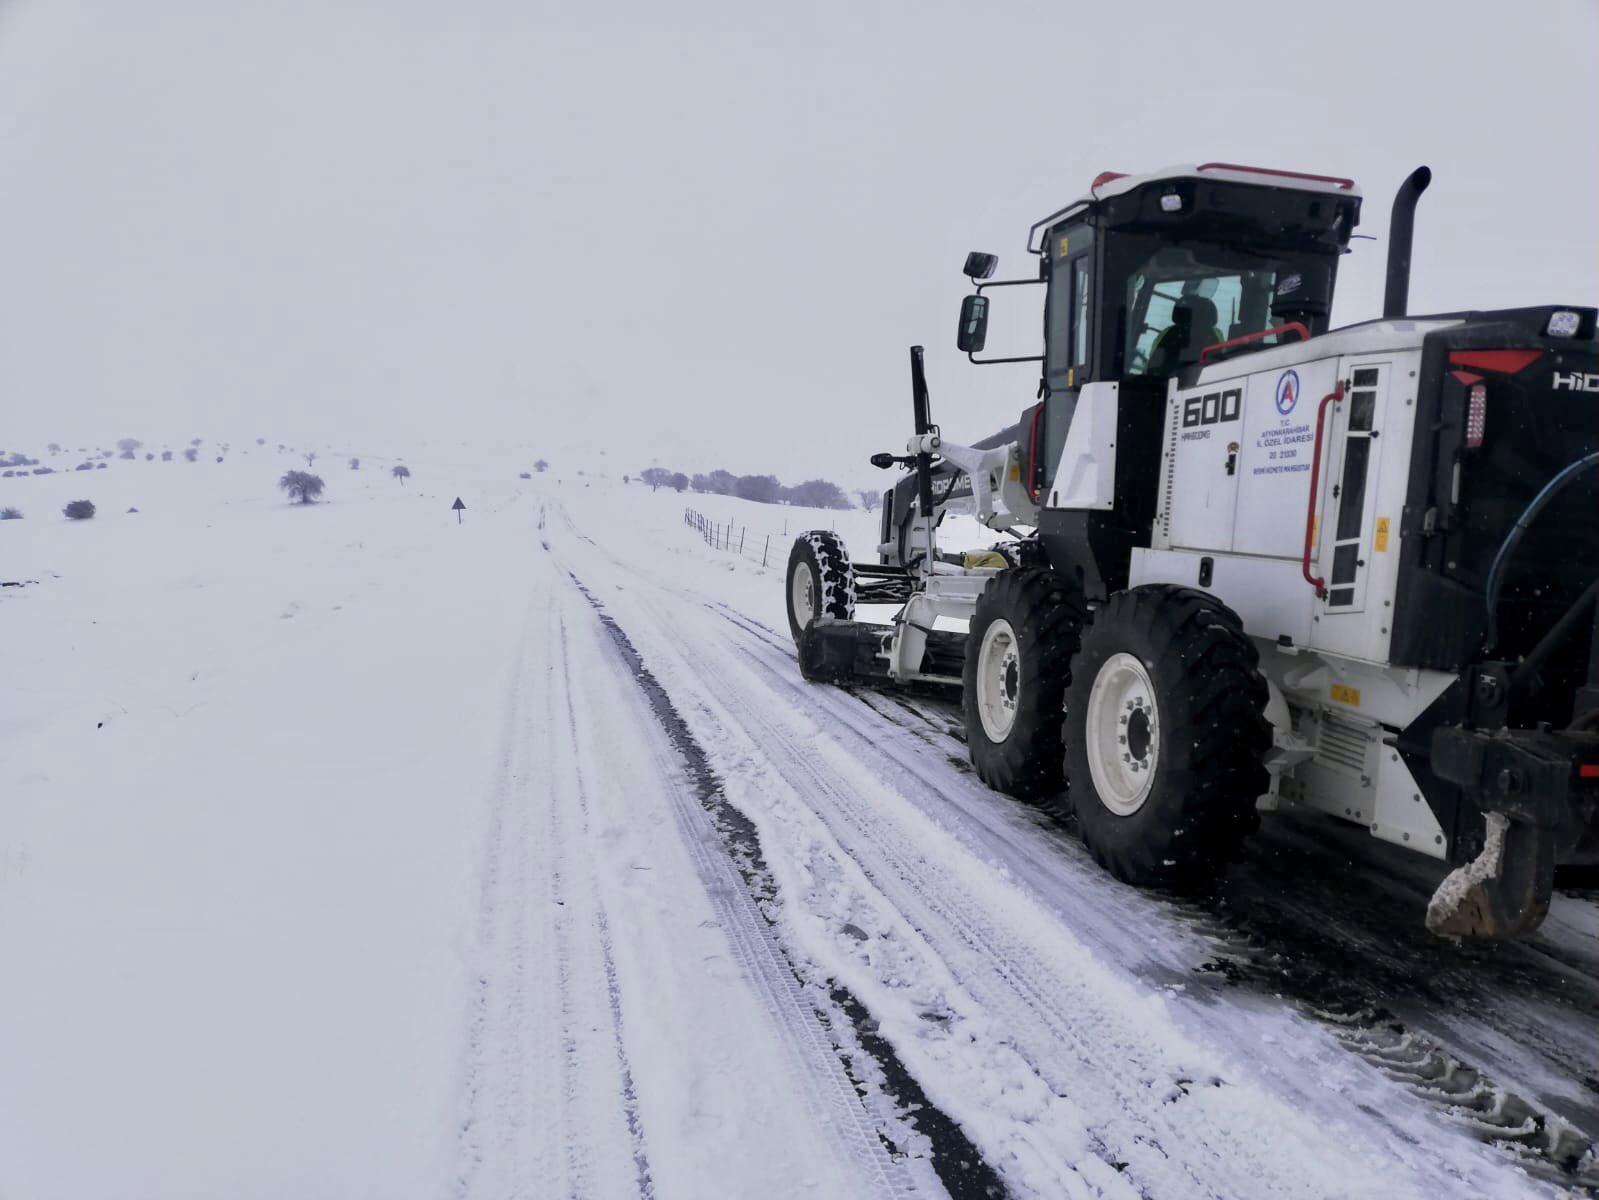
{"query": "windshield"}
(1174, 299)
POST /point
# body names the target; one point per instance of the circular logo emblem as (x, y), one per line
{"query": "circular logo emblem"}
(1287, 392)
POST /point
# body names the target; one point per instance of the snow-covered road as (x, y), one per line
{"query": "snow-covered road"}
(373, 855)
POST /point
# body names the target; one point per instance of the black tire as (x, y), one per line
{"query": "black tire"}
(1044, 613)
(1209, 735)
(832, 580)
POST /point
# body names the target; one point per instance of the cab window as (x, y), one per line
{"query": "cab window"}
(1178, 305)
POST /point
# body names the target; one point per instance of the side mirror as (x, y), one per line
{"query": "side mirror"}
(980, 265)
(973, 333)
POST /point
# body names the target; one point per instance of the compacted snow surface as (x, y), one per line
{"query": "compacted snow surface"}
(346, 850)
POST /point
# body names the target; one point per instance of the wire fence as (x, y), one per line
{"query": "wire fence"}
(766, 547)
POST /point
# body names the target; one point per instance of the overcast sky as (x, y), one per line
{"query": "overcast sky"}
(701, 233)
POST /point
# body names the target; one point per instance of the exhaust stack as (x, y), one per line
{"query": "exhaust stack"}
(1401, 228)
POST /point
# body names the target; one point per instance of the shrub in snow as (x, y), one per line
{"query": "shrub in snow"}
(763, 489)
(149, 456)
(99, 466)
(525, 475)
(541, 466)
(131, 509)
(166, 456)
(817, 493)
(78, 510)
(355, 464)
(401, 472)
(84, 467)
(260, 441)
(10, 514)
(191, 454)
(301, 486)
(219, 458)
(44, 470)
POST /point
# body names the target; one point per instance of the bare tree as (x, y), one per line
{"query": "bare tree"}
(869, 499)
(301, 486)
(401, 472)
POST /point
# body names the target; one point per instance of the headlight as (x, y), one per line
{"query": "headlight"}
(1563, 324)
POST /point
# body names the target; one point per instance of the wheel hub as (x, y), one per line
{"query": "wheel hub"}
(999, 680)
(802, 597)
(1122, 731)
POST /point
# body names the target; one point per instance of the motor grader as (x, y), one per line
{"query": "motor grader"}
(1252, 562)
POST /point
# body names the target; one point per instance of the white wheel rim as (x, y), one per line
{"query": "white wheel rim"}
(802, 596)
(1122, 734)
(999, 680)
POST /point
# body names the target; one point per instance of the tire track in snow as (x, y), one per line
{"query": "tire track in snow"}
(737, 881)
(613, 991)
(548, 1099)
(496, 1099)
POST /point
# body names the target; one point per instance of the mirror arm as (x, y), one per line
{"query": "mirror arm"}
(984, 362)
(1006, 283)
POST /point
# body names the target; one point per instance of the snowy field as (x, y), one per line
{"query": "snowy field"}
(349, 851)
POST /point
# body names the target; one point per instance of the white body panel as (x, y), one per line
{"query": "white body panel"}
(1085, 476)
(1235, 481)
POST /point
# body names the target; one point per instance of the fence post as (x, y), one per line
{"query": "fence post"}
(765, 548)
(742, 532)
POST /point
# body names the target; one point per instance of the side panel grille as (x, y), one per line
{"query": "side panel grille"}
(1344, 745)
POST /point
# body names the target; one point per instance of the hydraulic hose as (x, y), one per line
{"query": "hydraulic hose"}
(1507, 548)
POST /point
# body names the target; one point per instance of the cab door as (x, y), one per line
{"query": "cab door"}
(1068, 342)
